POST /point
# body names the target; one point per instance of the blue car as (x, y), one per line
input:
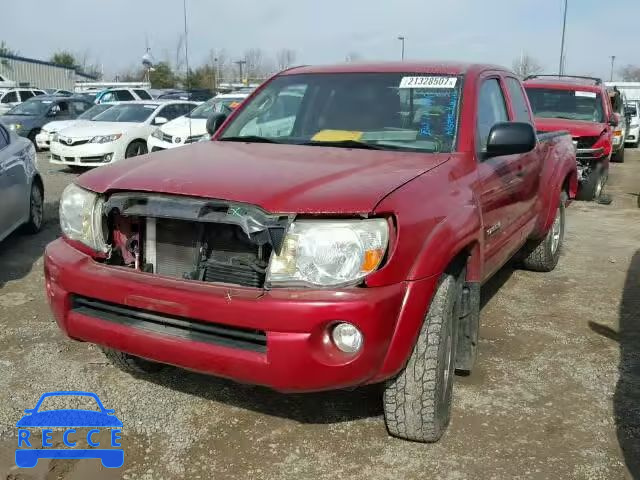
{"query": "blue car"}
(69, 418)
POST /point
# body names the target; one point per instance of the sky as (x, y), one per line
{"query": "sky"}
(114, 32)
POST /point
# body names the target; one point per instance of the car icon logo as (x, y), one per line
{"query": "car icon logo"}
(28, 452)
(177, 140)
(69, 141)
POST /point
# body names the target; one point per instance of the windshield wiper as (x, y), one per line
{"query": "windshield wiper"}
(344, 144)
(249, 139)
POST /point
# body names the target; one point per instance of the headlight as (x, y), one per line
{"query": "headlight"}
(329, 253)
(15, 126)
(157, 133)
(105, 138)
(81, 217)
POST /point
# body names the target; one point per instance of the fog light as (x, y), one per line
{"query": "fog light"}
(108, 157)
(347, 337)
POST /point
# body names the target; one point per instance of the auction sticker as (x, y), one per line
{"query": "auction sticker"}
(580, 93)
(428, 82)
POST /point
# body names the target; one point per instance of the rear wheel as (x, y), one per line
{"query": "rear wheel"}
(417, 403)
(36, 209)
(135, 148)
(130, 363)
(542, 256)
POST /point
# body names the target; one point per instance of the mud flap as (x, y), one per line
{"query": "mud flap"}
(467, 350)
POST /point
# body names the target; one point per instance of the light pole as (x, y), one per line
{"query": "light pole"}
(564, 28)
(401, 38)
(613, 60)
(240, 63)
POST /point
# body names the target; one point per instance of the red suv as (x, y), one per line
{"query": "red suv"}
(581, 106)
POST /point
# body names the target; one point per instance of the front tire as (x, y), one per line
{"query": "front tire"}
(618, 157)
(135, 148)
(592, 187)
(417, 403)
(543, 255)
(131, 363)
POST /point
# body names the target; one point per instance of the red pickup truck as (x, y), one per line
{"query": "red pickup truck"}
(581, 106)
(334, 233)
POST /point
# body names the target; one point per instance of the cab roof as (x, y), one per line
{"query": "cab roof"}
(566, 83)
(440, 68)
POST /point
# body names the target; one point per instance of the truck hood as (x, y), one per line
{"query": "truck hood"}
(278, 178)
(577, 128)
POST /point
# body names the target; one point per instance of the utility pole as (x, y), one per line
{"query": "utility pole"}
(240, 63)
(564, 29)
(401, 38)
(613, 60)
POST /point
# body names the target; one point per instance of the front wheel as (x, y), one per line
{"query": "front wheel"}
(417, 403)
(36, 209)
(591, 188)
(618, 157)
(543, 255)
(135, 149)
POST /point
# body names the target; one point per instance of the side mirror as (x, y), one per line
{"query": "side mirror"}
(54, 111)
(160, 120)
(511, 138)
(614, 120)
(214, 122)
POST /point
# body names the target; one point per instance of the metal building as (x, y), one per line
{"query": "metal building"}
(37, 73)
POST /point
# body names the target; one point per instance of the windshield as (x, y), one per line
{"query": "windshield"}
(206, 109)
(135, 113)
(94, 111)
(32, 108)
(567, 104)
(387, 111)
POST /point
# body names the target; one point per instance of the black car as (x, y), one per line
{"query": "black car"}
(196, 95)
(29, 117)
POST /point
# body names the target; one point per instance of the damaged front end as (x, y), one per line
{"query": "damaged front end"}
(193, 239)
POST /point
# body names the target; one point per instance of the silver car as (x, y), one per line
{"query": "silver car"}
(21, 187)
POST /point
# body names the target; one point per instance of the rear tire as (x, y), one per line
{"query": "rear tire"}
(135, 149)
(543, 255)
(591, 188)
(417, 403)
(130, 363)
(36, 209)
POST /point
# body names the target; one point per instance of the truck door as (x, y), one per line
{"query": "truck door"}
(499, 182)
(529, 165)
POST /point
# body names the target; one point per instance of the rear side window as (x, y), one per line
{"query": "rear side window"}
(518, 101)
(143, 94)
(124, 95)
(38, 92)
(492, 109)
(11, 97)
(4, 137)
(26, 95)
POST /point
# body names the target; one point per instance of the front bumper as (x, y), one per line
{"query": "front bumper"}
(155, 145)
(299, 354)
(89, 154)
(43, 140)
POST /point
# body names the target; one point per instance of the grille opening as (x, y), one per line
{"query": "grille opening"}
(196, 330)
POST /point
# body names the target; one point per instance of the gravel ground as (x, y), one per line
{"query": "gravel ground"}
(556, 393)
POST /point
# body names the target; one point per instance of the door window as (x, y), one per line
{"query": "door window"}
(518, 101)
(78, 108)
(11, 97)
(143, 94)
(4, 137)
(26, 95)
(492, 109)
(124, 95)
(170, 112)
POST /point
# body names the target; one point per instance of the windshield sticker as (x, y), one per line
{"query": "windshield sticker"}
(152, 107)
(586, 94)
(428, 82)
(47, 102)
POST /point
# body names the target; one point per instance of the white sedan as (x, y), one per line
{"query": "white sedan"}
(43, 138)
(192, 127)
(118, 133)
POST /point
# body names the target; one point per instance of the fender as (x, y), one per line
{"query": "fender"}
(548, 203)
